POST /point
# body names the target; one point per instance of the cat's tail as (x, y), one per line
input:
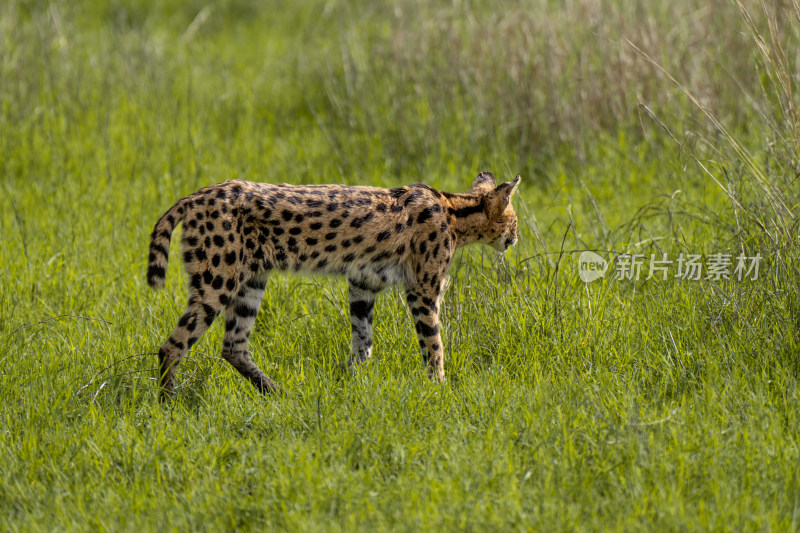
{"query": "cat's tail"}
(159, 244)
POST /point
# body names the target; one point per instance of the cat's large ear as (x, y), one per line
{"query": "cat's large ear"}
(483, 184)
(501, 196)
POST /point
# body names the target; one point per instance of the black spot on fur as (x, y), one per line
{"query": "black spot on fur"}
(210, 314)
(245, 311)
(427, 331)
(258, 284)
(469, 210)
(412, 197)
(424, 215)
(359, 221)
(179, 345)
(361, 309)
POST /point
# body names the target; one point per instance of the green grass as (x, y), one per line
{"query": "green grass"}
(617, 405)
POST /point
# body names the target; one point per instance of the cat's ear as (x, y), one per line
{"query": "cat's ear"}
(500, 198)
(508, 188)
(483, 184)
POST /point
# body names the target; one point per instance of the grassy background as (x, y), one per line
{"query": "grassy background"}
(615, 405)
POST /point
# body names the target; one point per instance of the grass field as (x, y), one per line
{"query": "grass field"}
(649, 404)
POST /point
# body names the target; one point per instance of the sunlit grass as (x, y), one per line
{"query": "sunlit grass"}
(612, 405)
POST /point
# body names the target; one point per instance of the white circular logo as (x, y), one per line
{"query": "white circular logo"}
(591, 266)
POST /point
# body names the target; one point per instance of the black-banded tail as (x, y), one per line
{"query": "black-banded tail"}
(159, 244)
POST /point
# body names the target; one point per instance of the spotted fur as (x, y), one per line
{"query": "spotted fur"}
(235, 233)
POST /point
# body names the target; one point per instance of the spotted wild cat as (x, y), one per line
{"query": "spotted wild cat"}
(235, 233)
